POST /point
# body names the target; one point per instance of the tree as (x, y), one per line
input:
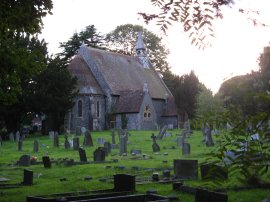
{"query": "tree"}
(88, 36)
(53, 93)
(123, 40)
(19, 21)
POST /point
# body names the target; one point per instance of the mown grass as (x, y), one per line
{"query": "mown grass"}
(47, 181)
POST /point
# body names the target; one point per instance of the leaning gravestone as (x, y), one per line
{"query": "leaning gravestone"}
(88, 141)
(24, 160)
(18, 136)
(11, 137)
(76, 143)
(186, 149)
(46, 162)
(186, 169)
(35, 146)
(20, 145)
(162, 132)
(56, 140)
(66, 144)
(155, 146)
(27, 177)
(82, 154)
(99, 154)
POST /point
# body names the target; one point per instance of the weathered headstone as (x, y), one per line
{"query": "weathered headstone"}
(99, 154)
(186, 149)
(56, 140)
(180, 141)
(51, 134)
(35, 146)
(107, 146)
(11, 137)
(186, 169)
(76, 143)
(212, 171)
(162, 132)
(88, 141)
(113, 136)
(123, 142)
(24, 160)
(46, 162)
(82, 154)
(207, 135)
(20, 145)
(66, 143)
(155, 146)
(27, 177)
(83, 130)
(101, 140)
(18, 136)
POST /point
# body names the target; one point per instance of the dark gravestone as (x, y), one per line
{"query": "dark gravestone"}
(35, 146)
(186, 169)
(88, 141)
(20, 145)
(166, 173)
(162, 132)
(99, 154)
(186, 149)
(76, 143)
(24, 160)
(82, 154)
(66, 144)
(113, 136)
(107, 147)
(46, 162)
(56, 140)
(203, 195)
(155, 146)
(27, 177)
(212, 172)
(124, 182)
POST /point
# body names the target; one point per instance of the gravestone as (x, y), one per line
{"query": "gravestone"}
(76, 143)
(162, 132)
(101, 140)
(83, 130)
(18, 136)
(20, 145)
(213, 172)
(56, 140)
(180, 141)
(27, 177)
(155, 146)
(82, 154)
(51, 134)
(99, 154)
(107, 146)
(124, 182)
(11, 137)
(35, 146)
(186, 149)
(123, 141)
(203, 195)
(113, 136)
(88, 141)
(207, 135)
(78, 131)
(186, 169)
(66, 144)
(46, 162)
(24, 160)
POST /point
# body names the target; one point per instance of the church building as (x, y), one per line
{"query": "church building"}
(119, 91)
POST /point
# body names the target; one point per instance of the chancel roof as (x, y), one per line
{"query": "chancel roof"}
(122, 72)
(129, 101)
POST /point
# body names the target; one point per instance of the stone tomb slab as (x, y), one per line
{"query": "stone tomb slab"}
(186, 169)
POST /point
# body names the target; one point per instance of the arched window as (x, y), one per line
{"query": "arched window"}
(79, 108)
(147, 113)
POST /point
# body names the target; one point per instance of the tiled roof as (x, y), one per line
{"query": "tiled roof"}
(170, 109)
(129, 102)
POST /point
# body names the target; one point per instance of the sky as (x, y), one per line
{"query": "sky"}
(234, 51)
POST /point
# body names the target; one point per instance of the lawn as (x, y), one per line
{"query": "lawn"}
(49, 181)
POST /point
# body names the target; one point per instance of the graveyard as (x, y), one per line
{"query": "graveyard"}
(161, 164)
